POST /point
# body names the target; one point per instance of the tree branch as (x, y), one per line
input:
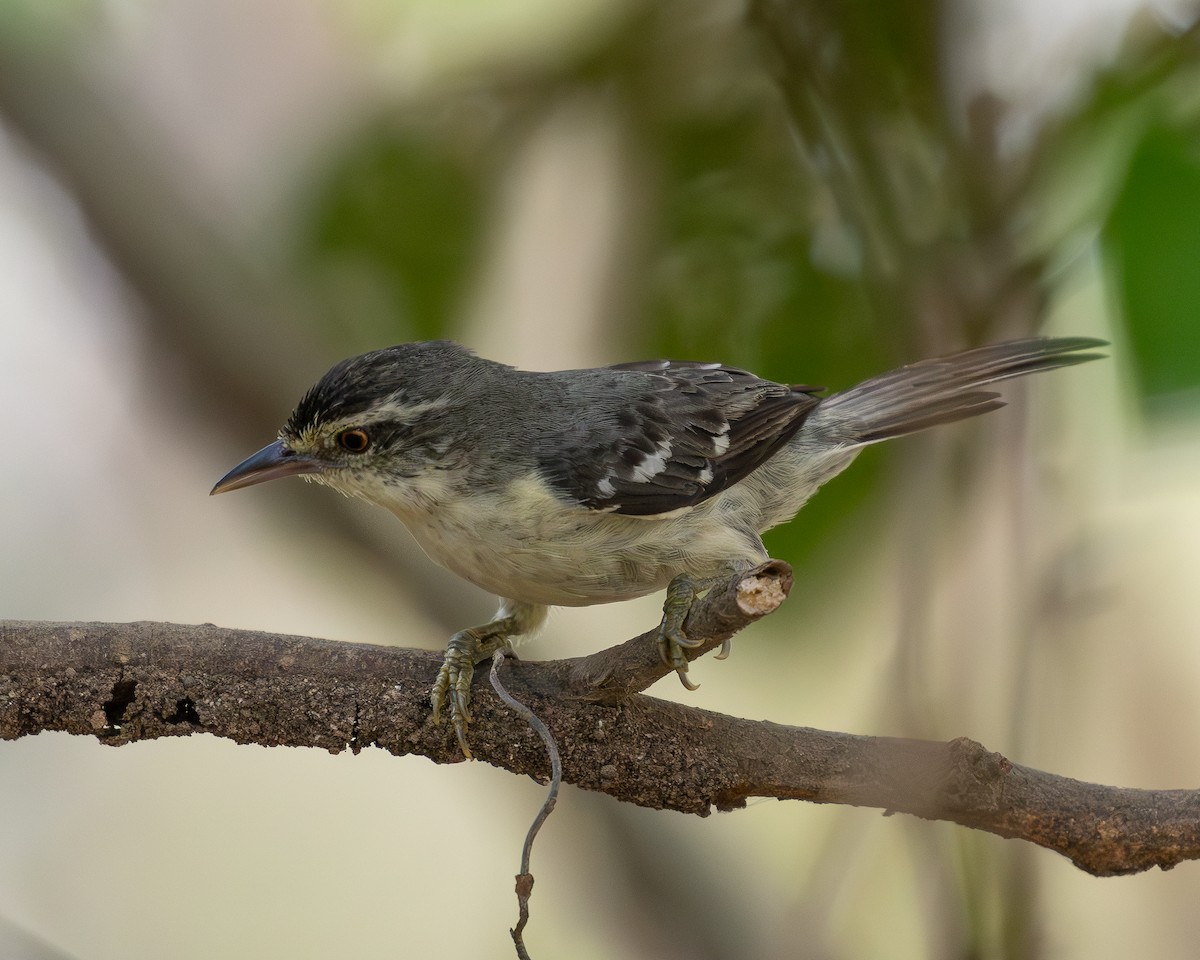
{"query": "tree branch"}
(127, 682)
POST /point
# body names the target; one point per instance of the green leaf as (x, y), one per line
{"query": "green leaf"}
(1153, 239)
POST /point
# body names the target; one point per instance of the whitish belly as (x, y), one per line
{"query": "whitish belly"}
(574, 557)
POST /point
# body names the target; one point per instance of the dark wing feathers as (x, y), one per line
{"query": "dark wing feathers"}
(676, 434)
(661, 435)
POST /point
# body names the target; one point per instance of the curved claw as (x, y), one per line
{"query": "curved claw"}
(672, 640)
(680, 638)
(467, 648)
(454, 684)
(671, 644)
(687, 684)
(670, 647)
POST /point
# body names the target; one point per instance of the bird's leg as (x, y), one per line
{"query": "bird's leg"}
(469, 647)
(681, 593)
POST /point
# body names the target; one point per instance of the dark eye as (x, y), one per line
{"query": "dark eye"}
(354, 440)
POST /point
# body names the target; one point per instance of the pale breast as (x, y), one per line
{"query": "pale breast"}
(526, 544)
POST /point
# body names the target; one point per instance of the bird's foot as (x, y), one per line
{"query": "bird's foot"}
(672, 640)
(453, 684)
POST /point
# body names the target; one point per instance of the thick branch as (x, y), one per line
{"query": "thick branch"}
(126, 682)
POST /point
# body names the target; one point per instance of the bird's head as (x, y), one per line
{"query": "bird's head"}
(378, 426)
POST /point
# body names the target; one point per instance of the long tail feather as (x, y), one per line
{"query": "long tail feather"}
(946, 389)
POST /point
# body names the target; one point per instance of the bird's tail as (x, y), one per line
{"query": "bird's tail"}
(942, 390)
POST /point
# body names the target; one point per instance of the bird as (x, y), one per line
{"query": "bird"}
(588, 486)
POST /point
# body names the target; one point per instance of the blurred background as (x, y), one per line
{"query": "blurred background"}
(205, 203)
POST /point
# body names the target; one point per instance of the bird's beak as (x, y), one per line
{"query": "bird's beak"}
(273, 460)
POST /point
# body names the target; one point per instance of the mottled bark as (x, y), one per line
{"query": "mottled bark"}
(127, 682)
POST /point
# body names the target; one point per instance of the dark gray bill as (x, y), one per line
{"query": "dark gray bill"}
(273, 460)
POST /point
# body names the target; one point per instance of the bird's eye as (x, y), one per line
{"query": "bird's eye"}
(354, 440)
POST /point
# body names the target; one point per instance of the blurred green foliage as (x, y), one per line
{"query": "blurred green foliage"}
(1153, 238)
(396, 229)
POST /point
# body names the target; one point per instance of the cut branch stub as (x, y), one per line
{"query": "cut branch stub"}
(616, 674)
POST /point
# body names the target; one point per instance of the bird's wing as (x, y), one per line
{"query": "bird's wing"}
(675, 434)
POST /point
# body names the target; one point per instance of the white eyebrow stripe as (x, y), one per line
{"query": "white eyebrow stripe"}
(391, 409)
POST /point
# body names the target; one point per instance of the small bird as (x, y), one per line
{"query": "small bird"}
(577, 487)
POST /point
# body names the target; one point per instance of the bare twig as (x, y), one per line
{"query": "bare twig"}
(525, 878)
